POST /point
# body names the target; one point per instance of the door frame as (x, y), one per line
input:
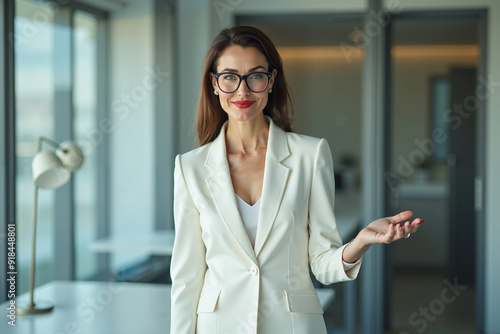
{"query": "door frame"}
(375, 292)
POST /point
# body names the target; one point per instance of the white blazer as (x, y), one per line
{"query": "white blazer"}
(220, 284)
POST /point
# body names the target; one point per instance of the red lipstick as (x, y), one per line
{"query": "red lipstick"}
(243, 104)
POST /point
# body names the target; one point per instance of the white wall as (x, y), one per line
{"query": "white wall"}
(131, 106)
(327, 101)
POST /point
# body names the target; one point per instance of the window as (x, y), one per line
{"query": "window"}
(34, 95)
(52, 43)
(85, 120)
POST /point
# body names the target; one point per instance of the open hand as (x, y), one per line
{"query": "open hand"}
(389, 229)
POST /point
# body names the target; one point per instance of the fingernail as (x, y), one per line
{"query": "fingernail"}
(422, 221)
(409, 224)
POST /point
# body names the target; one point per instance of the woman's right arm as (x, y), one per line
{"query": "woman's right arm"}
(188, 263)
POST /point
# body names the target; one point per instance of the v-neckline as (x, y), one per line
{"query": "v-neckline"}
(251, 206)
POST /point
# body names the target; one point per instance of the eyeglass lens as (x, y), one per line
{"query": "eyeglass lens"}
(229, 82)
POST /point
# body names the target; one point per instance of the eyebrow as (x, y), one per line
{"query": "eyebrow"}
(236, 71)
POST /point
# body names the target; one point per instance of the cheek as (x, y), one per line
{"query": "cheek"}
(224, 101)
(263, 98)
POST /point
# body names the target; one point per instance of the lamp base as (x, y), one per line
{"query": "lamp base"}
(39, 307)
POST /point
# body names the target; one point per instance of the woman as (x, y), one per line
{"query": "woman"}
(253, 205)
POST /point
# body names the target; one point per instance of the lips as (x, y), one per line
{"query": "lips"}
(243, 104)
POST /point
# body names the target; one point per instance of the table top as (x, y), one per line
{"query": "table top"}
(161, 242)
(102, 307)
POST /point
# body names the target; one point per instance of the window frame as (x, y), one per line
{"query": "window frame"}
(65, 233)
(7, 140)
(65, 237)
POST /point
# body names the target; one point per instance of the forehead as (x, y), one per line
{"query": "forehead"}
(240, 58)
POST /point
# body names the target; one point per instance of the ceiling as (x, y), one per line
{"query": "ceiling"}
(334, 29)
(328, 29)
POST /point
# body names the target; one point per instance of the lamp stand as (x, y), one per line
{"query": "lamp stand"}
(50, 170)
(31, 307)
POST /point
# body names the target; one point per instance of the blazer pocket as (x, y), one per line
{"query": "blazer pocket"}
(303, 302)
(208, 301)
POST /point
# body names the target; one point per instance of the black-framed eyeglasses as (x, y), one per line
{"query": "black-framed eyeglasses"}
(229, 82)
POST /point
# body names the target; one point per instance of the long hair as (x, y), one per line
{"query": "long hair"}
(210, 115)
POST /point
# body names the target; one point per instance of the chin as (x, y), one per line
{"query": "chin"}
(242, 115)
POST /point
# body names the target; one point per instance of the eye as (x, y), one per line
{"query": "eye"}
(229, 77)
(257, 76)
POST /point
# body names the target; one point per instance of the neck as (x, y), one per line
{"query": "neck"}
(246, 136)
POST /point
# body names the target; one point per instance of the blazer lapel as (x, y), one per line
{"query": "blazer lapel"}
(222, 191)
(273, 189)
(274, 184)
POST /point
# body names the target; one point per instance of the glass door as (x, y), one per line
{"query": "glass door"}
(434, 63)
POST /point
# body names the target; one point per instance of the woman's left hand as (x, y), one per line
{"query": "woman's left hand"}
(389, 229)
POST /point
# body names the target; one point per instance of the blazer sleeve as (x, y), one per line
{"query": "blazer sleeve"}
(325, 244)
(188, 263)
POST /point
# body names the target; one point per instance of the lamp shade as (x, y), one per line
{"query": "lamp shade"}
(71, 155)
(48, 171)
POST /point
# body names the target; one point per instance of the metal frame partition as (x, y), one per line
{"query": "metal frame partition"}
(374, 149)
(165, 100)
(7, 139)
(65, 233)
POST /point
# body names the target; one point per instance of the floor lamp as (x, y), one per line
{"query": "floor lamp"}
(50, 170)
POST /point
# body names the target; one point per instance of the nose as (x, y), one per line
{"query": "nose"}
(243, 88)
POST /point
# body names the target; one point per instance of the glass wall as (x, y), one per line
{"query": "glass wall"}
(85, 120)
(34, 94)
(35, 66)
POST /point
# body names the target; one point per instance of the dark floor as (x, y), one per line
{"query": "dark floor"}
(424, 303)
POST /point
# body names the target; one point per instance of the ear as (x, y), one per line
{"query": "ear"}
(271, 80)
(214, 81)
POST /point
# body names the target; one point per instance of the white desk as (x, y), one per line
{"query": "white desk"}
(96, 307)
(154, 243)
(103, 307)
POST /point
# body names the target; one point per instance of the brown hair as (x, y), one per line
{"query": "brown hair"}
(211, 116)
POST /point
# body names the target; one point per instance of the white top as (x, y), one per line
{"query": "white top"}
(250, 216)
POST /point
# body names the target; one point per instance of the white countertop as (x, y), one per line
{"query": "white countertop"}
(96, 307)
(154, 242)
